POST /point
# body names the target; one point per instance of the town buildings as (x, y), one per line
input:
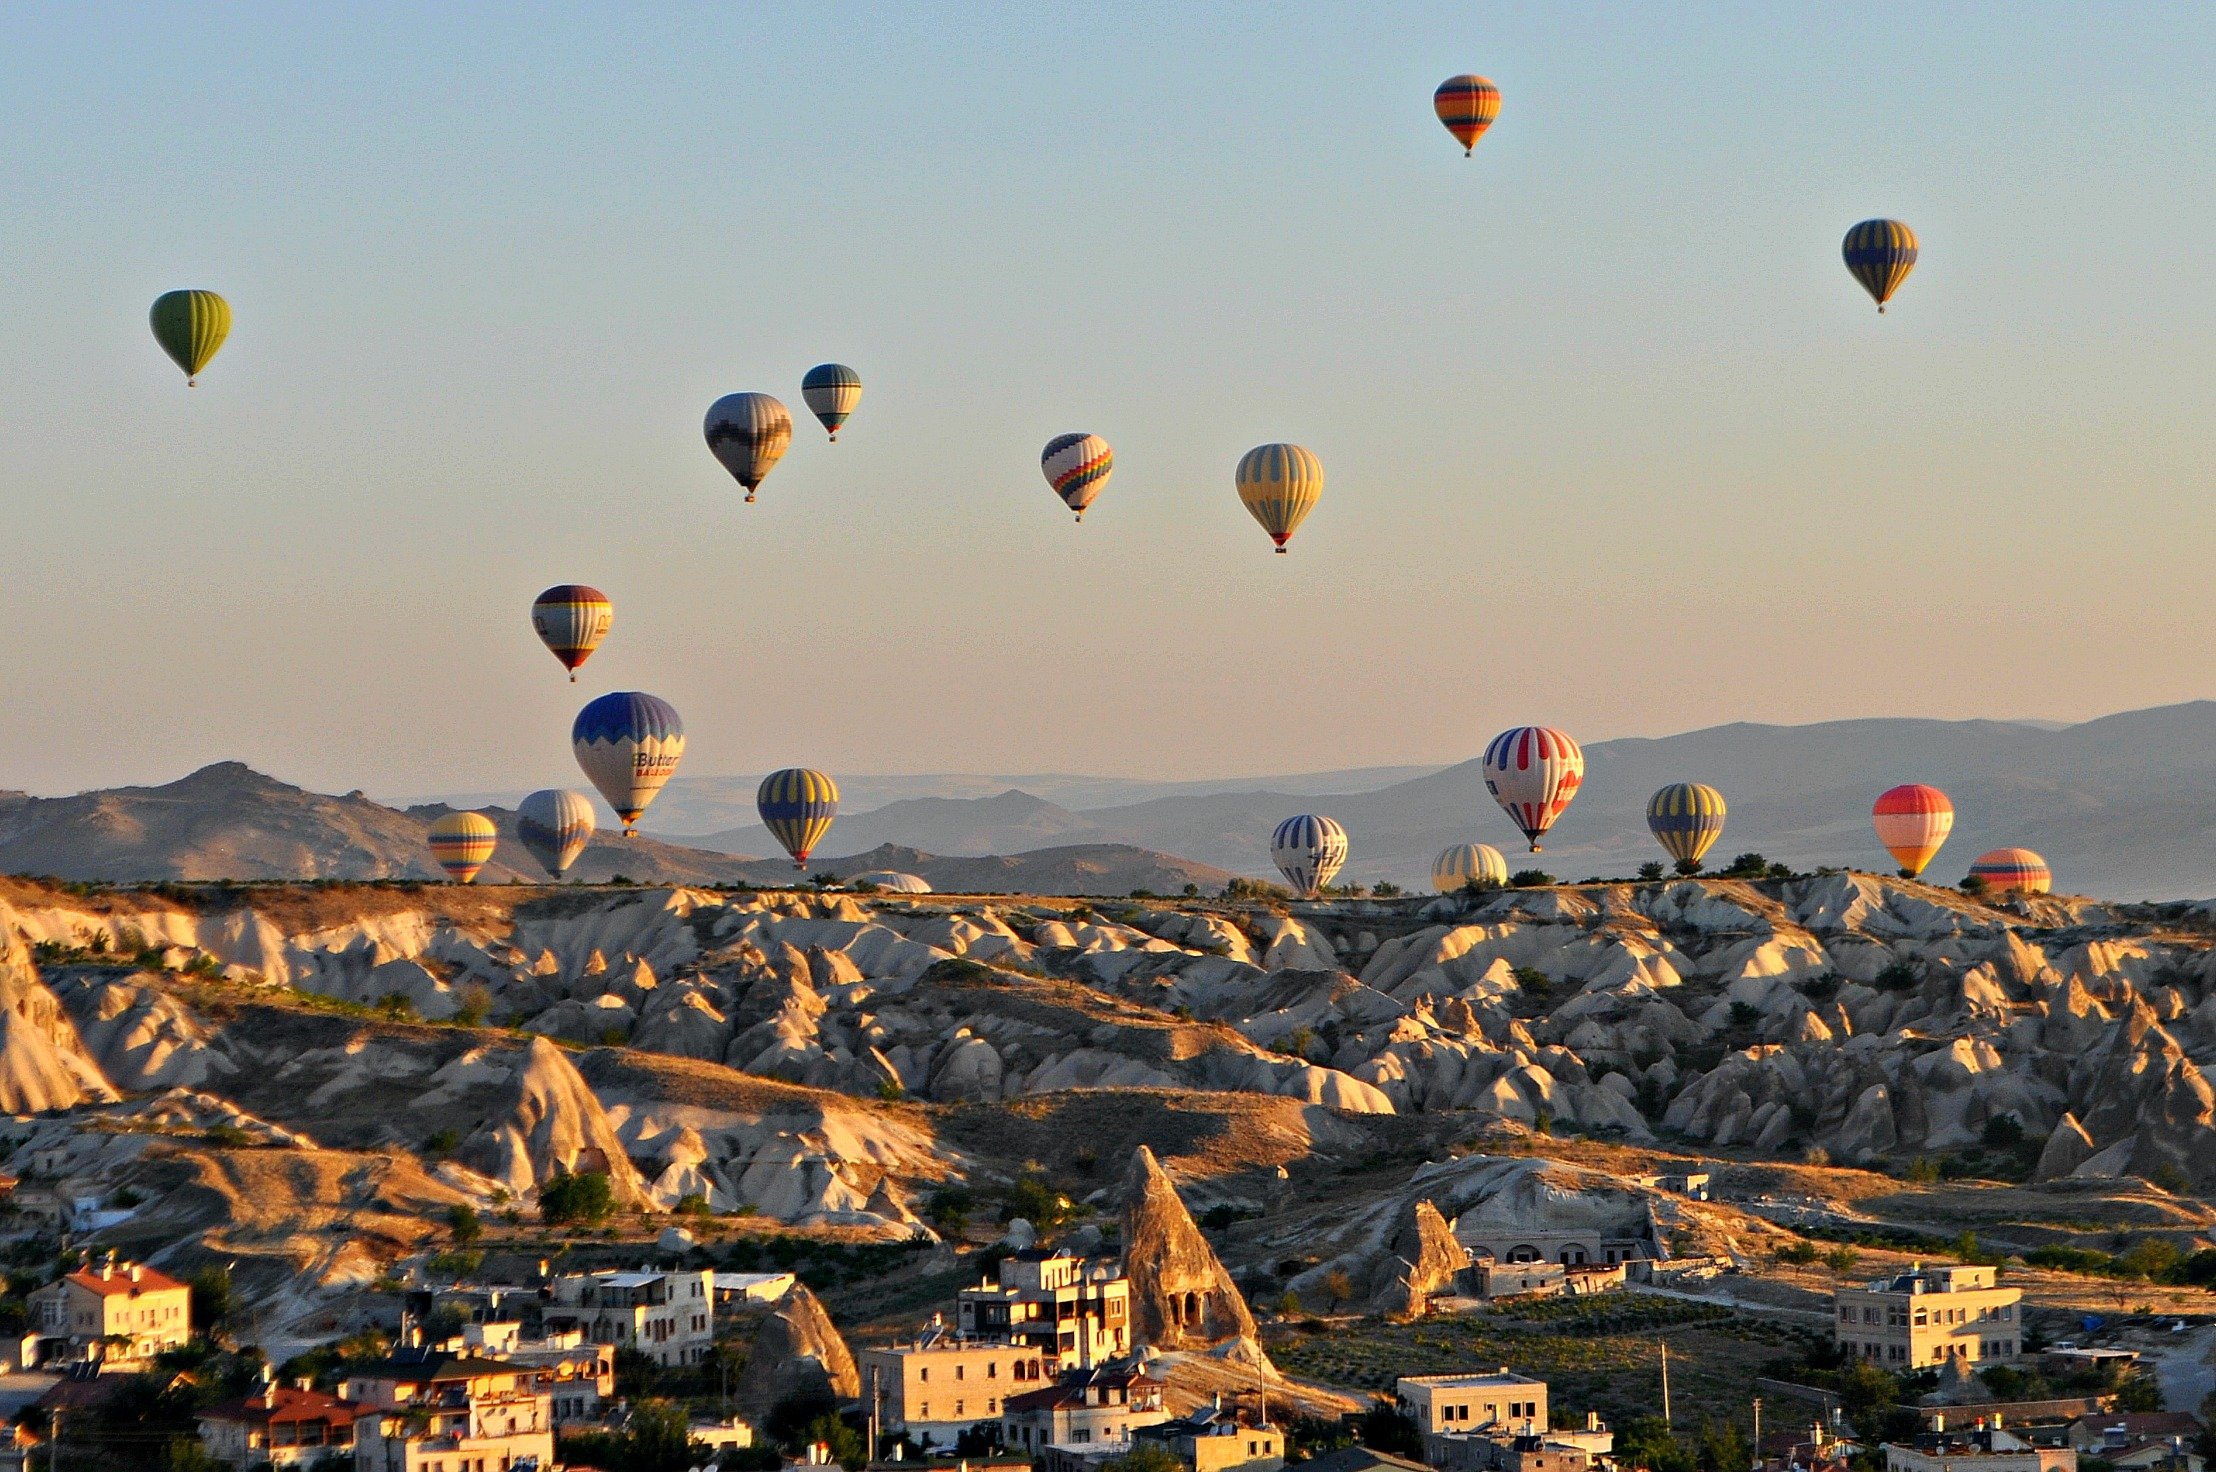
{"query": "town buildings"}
(1500, 1398)
(115, 1313)
(1927, 1316)
(1082, 1408)
(1076, 1311)
(427, 1411)
(942, 1383)
(280, 1425)
(1219, 1438)
(1979, 1450)
(667, 1316)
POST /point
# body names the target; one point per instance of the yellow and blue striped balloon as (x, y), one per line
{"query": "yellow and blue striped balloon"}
(190, 326)
(1686, 818)
(1880, 254)
(1279, 485)
(797, 806)
(831, 391)
(463, 844)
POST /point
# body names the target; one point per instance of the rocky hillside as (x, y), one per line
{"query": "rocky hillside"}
(831, 1062)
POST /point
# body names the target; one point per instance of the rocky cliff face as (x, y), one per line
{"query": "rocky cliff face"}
(1426, 1259)
(793, 1352)
(1181, 1297)
(43, 1063)
(552, 1125)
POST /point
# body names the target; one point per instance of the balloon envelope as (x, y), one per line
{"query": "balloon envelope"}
(1279, 485)
(571, 619)
(1467, 105)
(628, 744)
(1078, 467)
(462, 843)
(831, 390)
(555, 824)
(1880, 254)
(190, 326)
(1686, 818)
(1533, 772)
(1912, 821)
(1309, 851)
(1457, 868)
(797, 806)
(748, 433)
(2016, 869)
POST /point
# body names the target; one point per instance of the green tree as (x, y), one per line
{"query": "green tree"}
(462, 1223)
(1647, 1442)
(1652, 869)
(1866, 1393)
(583, 1198)
(1146, 1456)
(1842, 1260)
(210, 1297)
(1748, 865)
(1381, 1428)
(474, 1005)
(1528, 879)
(1387, 890)
(1721, 1447)
(2139, 1391)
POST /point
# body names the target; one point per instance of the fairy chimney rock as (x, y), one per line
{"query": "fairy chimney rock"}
(1181, 1297)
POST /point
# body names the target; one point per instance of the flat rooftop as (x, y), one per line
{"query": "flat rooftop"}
(1477, 1380)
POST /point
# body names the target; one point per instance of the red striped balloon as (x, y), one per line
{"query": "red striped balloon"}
(1533, 772)
(2016, 869)
(1913, 821)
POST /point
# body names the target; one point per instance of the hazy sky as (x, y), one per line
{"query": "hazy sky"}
(1612, 440)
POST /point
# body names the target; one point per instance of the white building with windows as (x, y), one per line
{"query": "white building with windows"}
(667, 1316)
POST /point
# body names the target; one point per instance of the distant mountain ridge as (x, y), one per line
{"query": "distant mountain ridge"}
(228, 821)
(2123, 806)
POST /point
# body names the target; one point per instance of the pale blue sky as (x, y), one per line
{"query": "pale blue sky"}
(1612, 439)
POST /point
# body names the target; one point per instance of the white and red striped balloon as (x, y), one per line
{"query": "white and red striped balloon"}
(1533, 772)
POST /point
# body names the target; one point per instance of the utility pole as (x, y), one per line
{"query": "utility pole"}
(54, 1448)
(874, 1394)
(1758, 1431)
(1666, 1383)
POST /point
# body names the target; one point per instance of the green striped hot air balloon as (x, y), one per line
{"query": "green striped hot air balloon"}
(190, 326)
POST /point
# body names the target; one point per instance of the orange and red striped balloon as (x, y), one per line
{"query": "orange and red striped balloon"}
(1467, 105)
(2019, 869)
(1913, 820)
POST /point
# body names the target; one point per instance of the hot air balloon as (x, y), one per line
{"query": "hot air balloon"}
(748, 433)
(1078, 467)
(1913, 820)
(830, 390)
(1467, 105)
(462, 842)
(571, 619)
(2016, 869)
(190, 326)
(797, 806)
(1880, 254)
(555, 824)
(1686, 818)
(628, 744)
(1279, 485)
(1457, 868)
(1308, 850)
(1533, 772)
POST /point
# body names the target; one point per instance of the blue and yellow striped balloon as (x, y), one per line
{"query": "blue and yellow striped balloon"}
(1880, 254)
(797, 806)
(1279, 485)
(831, 391)
(1686, 818)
